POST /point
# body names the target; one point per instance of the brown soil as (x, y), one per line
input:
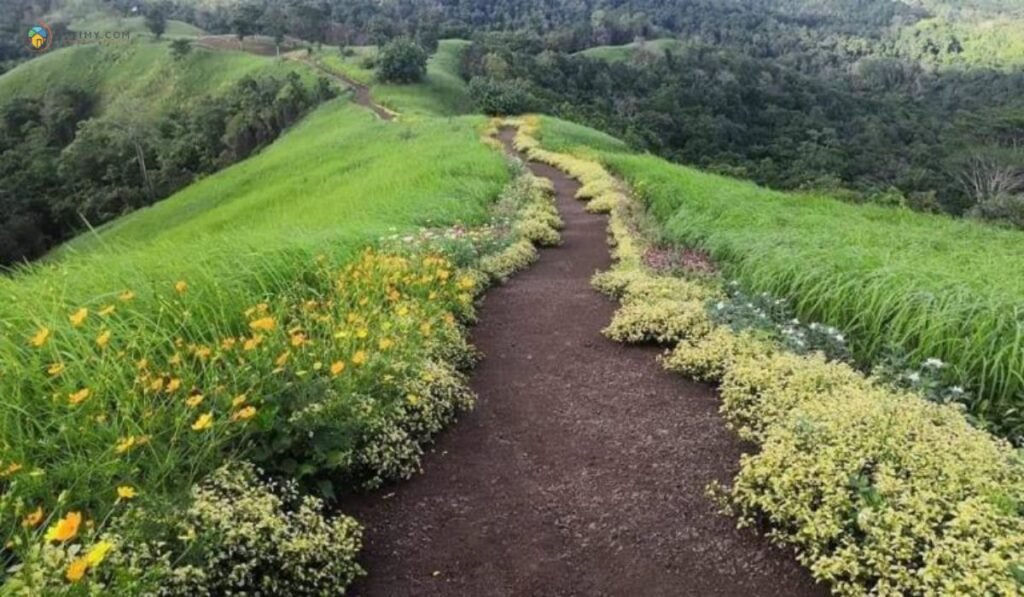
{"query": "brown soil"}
(582, 470)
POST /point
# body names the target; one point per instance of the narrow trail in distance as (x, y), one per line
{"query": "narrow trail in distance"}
(582, 470)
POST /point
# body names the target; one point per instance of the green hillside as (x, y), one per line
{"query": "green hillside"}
(145, 71)
(134, 25)
(628, 51)
(925, 285)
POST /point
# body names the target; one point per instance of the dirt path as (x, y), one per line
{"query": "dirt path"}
(582, 469)
(360, 93)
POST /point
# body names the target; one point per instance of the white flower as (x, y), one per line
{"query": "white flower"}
(914, 377)
(934, 363)
(956, 390)
(719, 305)
(840, 337)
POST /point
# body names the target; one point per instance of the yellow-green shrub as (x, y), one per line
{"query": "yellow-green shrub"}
(759, 389)
(708, 358)
(889, 494)
(513, 258)
(662, 320)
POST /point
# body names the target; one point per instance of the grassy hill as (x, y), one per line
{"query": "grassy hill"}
(442, 92)
(135, 25)
(140, 70)
(626, 52)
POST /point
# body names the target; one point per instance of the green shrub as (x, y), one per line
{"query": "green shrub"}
(401, 61)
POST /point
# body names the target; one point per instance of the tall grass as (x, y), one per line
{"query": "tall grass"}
(927, 286)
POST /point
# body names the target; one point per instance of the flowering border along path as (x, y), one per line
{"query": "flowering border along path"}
(881, 491)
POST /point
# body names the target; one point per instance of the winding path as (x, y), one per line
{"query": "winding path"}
(582, 469)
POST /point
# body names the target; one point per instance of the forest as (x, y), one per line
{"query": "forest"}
(916, 104)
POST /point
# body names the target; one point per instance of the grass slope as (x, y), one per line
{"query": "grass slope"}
(144, 71)
(442, 92)
(134, 25)
(626, 52)
(332, 185)
(930, 285)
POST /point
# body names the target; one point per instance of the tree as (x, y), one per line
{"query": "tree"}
(156, 19)
(245, 19)
(180, 48)
(402, 61)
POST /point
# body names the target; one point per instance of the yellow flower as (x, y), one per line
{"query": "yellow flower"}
(195, 400)
(181, 286)
(173, 385)
(142, 364)
(359, 358)
(298, 340)
(33, 519)
(337, 368)
(362, 333)
(103, 339)
(264, 324)
(126, 296)
(126, 492)
(108, 310)
(466, 283)
(175, 359)
(252, 343)
(65, 529)
(76, 570)
(203, 352)
(11, 469)
(79, 397)
(125, 443)
(203, 423)
(55, 369)
(238, 400)
(78, 317)
(39, 340)
(244, 414)
(228, 343)
(385, 343)
(281, 360)
(425, 329)
(98, 553)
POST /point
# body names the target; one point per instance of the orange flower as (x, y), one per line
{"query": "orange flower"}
(203, 423)
(337, 368)
(79, 397)
(264, 324)
(33, 519)
(39, 340)
(65, 529)
(181, 286)
(78, 317)
(76, 570)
